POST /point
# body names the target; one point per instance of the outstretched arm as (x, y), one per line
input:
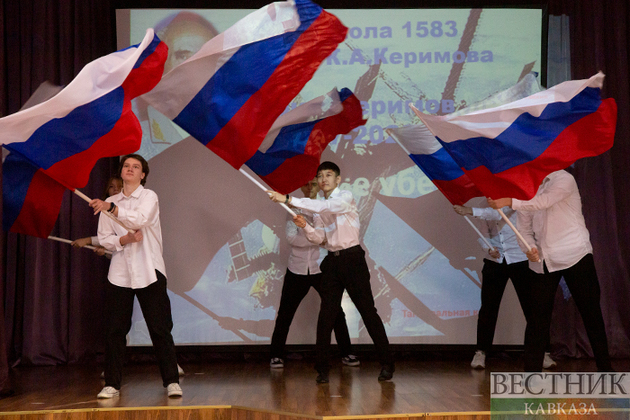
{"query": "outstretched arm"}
(337, 205)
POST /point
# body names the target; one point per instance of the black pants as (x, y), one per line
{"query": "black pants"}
(156, 308)
(582, 281)
(294, 289)
(495, 278)
(348, 271)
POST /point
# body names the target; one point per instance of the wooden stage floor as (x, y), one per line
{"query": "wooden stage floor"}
(421, 384)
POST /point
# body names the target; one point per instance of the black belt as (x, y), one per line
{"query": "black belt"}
(351, 250)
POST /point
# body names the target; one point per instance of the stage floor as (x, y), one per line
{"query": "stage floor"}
(421, 384)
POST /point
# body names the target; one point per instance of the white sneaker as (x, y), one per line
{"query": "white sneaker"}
(108, 392)
(548, 362)
(350, 360)
(174, 390)
(479, 360)
(276, 363)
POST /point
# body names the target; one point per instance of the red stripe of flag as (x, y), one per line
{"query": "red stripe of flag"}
(573, 143)
(283, 85)
(41, 206)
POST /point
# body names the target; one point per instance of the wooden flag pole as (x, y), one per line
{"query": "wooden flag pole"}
(114, 218)
(518, 234)
(262, 187)
(68, 241)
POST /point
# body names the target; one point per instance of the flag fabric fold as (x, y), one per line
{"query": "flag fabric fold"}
(232, 90)
(424, 149)
(55, 144)
(508, 150)
(31, 199)
(290, 154)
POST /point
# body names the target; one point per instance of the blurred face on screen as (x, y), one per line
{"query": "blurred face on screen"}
(184, 37)
(327, 181)
(310, 189)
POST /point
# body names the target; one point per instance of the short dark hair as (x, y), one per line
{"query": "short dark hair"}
(329, 165)
(145, 166)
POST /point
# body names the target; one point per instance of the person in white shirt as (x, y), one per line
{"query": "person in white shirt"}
(114, 186)
(553, 225)
(136, 269)
(336, 228)
(505, 261)
(303, 273)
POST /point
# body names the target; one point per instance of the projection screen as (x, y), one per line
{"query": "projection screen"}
(224, 241)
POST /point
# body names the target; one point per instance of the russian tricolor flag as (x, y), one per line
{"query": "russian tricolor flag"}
(233, 89)
(290, 154)
(54, 145)
(424, 149)
(507, 151)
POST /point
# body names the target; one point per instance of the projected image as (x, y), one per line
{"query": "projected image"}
(224, 242)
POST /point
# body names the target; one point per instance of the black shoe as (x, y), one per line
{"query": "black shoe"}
(322, 378)
(387, 373)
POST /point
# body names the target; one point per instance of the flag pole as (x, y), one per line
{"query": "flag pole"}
(479, 233)
(114, 218)
(518, 234)
(262, 187)
(465, 217)
(68, 241)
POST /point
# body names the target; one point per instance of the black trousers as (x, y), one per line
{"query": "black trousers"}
(582, 281)
(156, 308)
(494, 279)
(348, 271)
(294, 289)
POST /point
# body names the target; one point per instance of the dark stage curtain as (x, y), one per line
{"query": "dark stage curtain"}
(52, 311)
(52, 295)
(599, 41)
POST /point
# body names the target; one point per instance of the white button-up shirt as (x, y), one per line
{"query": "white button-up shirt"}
(499, 234)
(304, 254)
(335, 220)
(134, 264)
(552, 221)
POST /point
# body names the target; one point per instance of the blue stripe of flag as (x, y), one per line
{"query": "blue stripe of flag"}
(80, 129)
(291, 141)
(150, 49)
(438, 166)
(344, 94)
(240, 78)
(526, 139)
(17, 173)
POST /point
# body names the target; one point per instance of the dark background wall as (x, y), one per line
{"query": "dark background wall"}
(51, 311)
